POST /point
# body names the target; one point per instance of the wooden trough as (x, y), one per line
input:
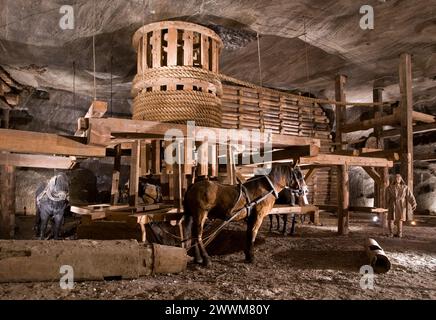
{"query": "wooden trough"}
(32, 260)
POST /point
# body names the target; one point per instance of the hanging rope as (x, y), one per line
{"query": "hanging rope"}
(93, 50)
(74, 85)
(258, 56)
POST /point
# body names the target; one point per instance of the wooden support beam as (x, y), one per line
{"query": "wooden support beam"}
(377, 96)
(97, 109)
(172, 47)
(45, 143)
(155, 157)
(143, 162)
(406, 117)
(213, 160)
(230, 165)
(203, 158)
(309, 174)
(134, 173)
(374, 175)
(425, 157)
(332, 160)
(423, 117)
(116, 176)
(36, 161)
(391, 119)
(205, 51)
(140, 129)
(384, 173)
(157, 48)
(340, 81)
(343, 199)
(188, 45)
(281, 155)
(7, 201)
(392, 155)
(419, 128)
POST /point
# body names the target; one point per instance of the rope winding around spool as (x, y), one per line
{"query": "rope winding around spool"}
(154, 106)
(178, 107)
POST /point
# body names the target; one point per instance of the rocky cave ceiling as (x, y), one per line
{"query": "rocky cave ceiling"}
(38, 53)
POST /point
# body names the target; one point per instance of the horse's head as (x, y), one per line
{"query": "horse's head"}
(60, 183)
(281, 176)
(298, 182)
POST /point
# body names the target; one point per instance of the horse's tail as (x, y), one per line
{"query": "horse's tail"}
(187, 218)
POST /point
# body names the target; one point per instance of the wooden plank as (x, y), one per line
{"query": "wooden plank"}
(230, 165)
(45, 143)
(134, 173)
(309, 174)
(36, 161)
(203, 158)
(406, 129)
(155, 154)
(172, 47)
(391, 119)
(215, 56)
(420, 128)
(205, 51)
(157, 48)
(143, 162)
(214, 160)
(392, 155)
(332, 160)
(139, 128)
(188, 45)
(423, 117)
(116, 176)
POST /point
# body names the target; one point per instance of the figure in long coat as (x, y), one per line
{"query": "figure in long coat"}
(398, 196)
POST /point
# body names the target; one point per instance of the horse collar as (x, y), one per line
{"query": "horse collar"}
(275, 193)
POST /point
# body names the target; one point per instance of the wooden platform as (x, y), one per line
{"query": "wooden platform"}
(313, 211)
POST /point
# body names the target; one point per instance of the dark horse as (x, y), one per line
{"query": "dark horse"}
(252, 200)
(294, 195)
(51, 201)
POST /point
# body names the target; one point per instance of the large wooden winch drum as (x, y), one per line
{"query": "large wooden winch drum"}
(177, 74)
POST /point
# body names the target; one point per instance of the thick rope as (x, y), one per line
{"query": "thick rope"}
(205, 75)
(178, 107)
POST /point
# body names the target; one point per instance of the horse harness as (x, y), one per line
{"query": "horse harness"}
(51, 194)
(250, 203)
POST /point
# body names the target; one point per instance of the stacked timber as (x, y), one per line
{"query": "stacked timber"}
(248, 108)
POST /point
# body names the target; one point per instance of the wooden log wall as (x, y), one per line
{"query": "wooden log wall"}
(247, 108)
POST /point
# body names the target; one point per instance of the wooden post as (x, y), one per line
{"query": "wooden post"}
(406, 129)
(179, 177)
(155, 157)
(7, 201)
(213, 160)
(144, 160)
(134, 173)
(377, 96)
(229, 164)
(343, 199)
(7, 193)
(168, 175)
(116, 175)
(340, 109)
(203, 158)
(384, 173)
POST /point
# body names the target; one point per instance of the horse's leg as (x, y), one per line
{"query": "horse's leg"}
(253, 224)
(204, 255)
(285, 220)
(37, 227)
(43, 225)
(195, 232)
(270, 222)
(58, 219)
(278, 221)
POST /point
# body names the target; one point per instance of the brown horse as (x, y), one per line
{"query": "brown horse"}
(252, 200)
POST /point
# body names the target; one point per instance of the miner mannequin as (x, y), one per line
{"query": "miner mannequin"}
(398, 196)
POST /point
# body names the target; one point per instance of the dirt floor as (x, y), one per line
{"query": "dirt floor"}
(313, 264)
